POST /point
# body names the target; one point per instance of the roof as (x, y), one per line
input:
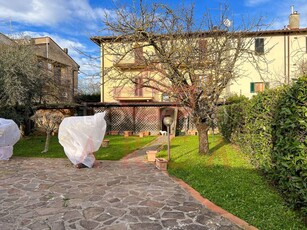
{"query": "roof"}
(63, 51)
(108, 39)
(5, 40)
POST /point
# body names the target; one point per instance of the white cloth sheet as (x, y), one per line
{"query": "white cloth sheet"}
(81, 137)
(9, 135)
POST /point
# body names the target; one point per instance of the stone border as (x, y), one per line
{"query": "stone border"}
(211, 206)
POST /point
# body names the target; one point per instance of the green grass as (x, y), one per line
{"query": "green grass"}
(226, 178)
(118, 148)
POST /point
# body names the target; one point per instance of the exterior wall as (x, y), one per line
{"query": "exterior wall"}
(284, 50)
(4, 40)
(56, 57)
(111, 90)
(285, 54)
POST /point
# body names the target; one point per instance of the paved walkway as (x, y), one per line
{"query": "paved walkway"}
(128, 194)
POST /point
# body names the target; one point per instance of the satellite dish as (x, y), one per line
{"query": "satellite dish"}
(227, 23)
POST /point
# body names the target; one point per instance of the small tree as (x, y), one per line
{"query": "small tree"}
(191, 59)
(23, 80)
(49, 121)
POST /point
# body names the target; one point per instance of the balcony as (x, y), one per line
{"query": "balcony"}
(131, 94)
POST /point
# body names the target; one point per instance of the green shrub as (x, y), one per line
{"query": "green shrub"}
(17, 113)
(231, 117)
(257, 132)
(289, 155)
(272, 129)
(87, 98)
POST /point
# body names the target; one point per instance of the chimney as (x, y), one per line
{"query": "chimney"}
(65, 50)
(294, 19)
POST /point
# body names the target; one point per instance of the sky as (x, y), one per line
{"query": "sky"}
(71, 23)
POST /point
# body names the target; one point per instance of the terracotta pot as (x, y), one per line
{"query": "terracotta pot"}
(146, 133)
(105, 143)
(114, 132)
(161, 164)
(151, 155)
(127, 133)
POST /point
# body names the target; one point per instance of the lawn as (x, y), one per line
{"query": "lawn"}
(226, 178)
(118, 148)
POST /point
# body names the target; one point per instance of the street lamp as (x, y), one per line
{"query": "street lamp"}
(168, 122)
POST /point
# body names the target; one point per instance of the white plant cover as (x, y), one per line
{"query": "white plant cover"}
(9, 135)
(81, 137)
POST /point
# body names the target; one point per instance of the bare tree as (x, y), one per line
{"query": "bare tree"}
(49, 121)
(190, 58)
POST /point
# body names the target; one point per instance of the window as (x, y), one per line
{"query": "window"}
(165, 97)
(49, 66)
(259, 45)
(256, 87)
(138, 55)
(202, 49)
(202, 46)
(138, 87)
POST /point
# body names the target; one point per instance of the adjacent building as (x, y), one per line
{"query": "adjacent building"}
(59, 64)
(56, 63)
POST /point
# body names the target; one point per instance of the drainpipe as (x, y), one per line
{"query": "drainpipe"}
(47, 48)
(102, 73)
(285, 60)
(288, 41)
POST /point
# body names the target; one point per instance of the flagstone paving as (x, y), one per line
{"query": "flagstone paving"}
(129, 194)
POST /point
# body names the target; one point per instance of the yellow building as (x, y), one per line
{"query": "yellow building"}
(285, 52)
(278, 56)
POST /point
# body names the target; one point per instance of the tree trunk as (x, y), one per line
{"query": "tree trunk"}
(47, 142)
(203, 141)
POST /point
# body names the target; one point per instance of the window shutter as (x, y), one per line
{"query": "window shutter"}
(252, 87)
(203, 46)
(138, 55)
(259, 45)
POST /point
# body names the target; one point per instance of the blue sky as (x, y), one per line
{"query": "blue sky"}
(70, 23)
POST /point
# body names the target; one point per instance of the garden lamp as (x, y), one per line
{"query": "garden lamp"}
(168, 122)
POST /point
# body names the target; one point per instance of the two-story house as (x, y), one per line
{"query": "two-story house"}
(278, 55)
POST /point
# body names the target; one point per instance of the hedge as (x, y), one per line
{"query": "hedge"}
(289, 153)
(272, 128)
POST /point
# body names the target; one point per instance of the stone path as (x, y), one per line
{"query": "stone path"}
(129, 194)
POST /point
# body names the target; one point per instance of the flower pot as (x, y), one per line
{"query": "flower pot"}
(151, 155)
(161, 164)
(114, 132)
(105, 143)
(127, 133)
(146, 133)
